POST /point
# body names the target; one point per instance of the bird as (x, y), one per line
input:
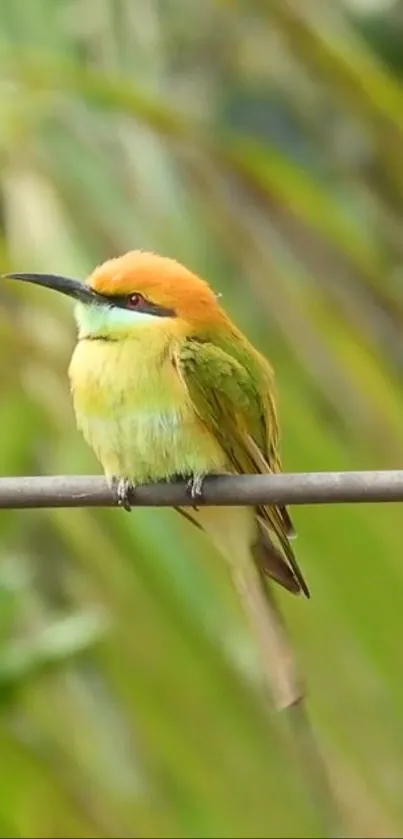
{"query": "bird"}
(166, 386)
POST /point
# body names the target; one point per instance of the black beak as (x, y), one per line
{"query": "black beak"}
(73, 288)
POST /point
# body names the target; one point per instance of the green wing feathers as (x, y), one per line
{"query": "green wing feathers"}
(235, 400)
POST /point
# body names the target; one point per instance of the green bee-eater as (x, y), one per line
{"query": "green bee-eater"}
(164, 385)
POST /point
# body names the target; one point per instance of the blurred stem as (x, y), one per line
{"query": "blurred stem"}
(285, 689)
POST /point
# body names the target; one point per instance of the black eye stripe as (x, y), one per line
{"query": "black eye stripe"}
(122, 301)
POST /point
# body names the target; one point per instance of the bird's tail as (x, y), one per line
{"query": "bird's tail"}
(280, 564)
(235, 529)
(272, 562)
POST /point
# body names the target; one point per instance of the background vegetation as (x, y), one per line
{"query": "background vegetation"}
(260, 143)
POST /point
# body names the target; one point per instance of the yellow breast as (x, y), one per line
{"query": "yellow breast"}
(135, 412)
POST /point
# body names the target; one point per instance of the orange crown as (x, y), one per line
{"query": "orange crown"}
(162, 281)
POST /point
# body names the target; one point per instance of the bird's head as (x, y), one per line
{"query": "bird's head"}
(133, 291)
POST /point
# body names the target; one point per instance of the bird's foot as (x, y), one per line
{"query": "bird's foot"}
(195, 489)
(123, 489)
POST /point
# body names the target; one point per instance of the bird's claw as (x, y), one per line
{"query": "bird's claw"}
(123, 489)
(195, 489)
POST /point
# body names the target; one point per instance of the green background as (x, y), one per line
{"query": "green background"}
(261, 144)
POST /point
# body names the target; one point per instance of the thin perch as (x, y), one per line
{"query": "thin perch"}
(234, 490)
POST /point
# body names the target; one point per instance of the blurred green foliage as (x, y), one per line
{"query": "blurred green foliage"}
(260, 143)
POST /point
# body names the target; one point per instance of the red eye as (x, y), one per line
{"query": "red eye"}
(134, 301)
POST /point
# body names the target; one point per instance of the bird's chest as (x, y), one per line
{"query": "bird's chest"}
(135, 412)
